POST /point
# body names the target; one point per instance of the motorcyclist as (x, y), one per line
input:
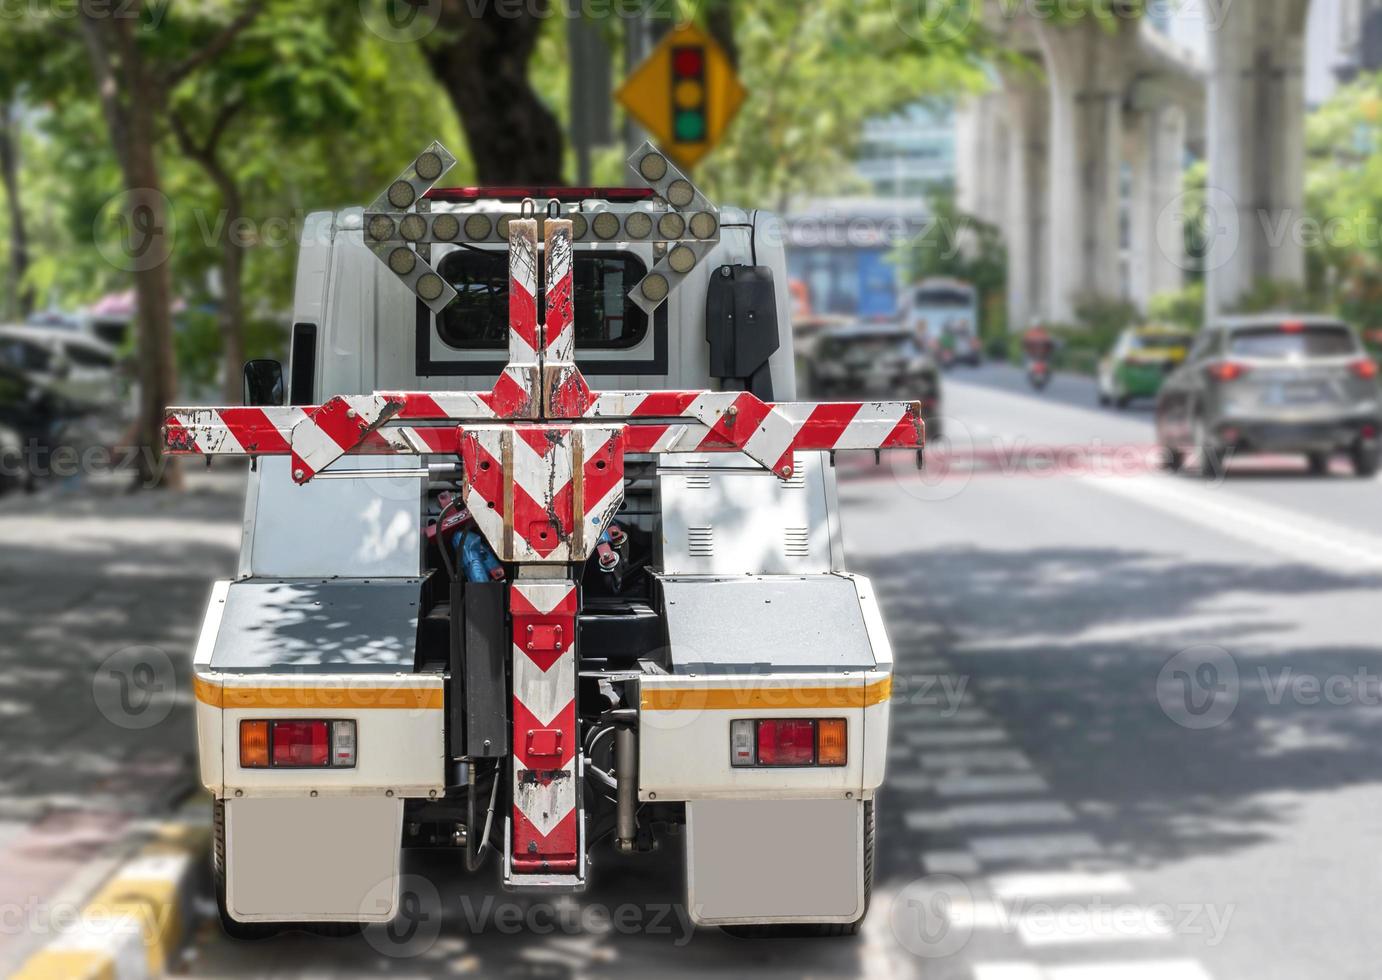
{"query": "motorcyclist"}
(1038, 344)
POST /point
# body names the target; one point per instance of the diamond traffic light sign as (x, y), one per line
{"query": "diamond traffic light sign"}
(685, 93)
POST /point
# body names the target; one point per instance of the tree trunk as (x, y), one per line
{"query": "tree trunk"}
(482, 63)
(232, 313)
(21, 297)
(153, 290)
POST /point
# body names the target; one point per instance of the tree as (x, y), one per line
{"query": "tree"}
(816, 73)
(20, 293)
(285, 75)
(481, 60)
(135, 63)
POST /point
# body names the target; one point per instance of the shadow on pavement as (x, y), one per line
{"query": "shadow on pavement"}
(1101, 721)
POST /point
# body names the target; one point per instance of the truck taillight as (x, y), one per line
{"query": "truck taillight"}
(788, 742)
(304, 744)
(299, 743)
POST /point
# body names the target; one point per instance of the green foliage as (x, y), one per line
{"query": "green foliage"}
(961, 246)
(815, 72)
(1184, 308)
(1344, 201)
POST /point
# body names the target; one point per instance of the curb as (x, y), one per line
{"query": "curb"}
(138, 918)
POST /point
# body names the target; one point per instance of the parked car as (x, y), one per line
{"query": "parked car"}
(876, 358)
(1139, 362)
(75, 366)
(1273, 383)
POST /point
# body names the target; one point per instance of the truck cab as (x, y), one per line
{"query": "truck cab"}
(380, 674)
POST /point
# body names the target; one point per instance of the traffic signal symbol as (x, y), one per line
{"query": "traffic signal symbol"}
(685, 94)
(689, 109)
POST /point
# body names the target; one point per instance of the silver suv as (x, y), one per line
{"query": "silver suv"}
(1273, 383)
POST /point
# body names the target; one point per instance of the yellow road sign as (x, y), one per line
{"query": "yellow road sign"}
(685, 93)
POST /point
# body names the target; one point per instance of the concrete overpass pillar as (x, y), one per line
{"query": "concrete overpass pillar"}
(1156, 149)
(981, 157)
(1256, 149)
(1087, 67)
(1025, 224)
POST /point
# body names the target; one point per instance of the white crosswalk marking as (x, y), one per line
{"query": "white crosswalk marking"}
(996, 785)
(1058, 884)
(1146, 970)
(1035, 847)
(976, 759)
(991, 815)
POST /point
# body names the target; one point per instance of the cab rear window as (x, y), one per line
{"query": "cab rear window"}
(478, 318)
(1285, 342)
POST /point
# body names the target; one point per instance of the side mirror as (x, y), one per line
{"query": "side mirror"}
(263, 383)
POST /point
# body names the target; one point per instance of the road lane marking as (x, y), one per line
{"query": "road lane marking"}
(958, 863)
(949, 738)
(999, 785)
(1305, 539)
(976, 759)
(1144, 970)
(1035, 847)
(1006, 813)
(1059, 885)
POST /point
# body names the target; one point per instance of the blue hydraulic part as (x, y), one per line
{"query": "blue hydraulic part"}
(605, 553)
(478, 562)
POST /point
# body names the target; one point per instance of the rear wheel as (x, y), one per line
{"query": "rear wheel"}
(1364, 461)
(1172, 459)
(1123, 402)
(821, 930)
(1319, 463)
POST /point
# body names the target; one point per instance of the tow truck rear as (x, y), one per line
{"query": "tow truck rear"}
(523, 616)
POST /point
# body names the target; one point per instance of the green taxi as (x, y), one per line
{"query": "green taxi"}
(1139, 362)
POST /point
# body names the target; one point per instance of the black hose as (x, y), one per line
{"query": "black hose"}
(446, 557)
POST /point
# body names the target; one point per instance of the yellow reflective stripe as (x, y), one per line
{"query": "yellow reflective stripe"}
(350, 696)
(658, 698)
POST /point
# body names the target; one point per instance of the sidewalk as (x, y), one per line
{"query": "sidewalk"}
(101, 599)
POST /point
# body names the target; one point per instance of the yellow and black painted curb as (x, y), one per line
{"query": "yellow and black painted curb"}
(137, 920)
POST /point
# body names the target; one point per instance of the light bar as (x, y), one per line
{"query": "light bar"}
(649, 224)
(692, 227)
(392, 227)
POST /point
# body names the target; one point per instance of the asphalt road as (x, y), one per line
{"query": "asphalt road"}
(1135, 734)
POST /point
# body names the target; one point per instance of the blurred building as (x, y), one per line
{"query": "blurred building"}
(840, 248)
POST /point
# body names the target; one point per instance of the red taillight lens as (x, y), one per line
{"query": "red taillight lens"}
(1226, 371)
(301, 743)
(786, 743)
(1365, 369)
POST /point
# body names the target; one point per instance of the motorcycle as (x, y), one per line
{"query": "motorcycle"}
(1039, 374)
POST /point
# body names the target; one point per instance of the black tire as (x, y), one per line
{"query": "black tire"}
(1123, 402)
(254, 931)
(1172, 460)
(1364, 462)
(1318, 463)
(822, 930)
(1104, 400)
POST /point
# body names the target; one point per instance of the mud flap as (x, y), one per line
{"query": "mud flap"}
(775, 861)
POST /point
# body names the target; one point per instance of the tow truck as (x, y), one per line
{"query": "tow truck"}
(525, 617)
